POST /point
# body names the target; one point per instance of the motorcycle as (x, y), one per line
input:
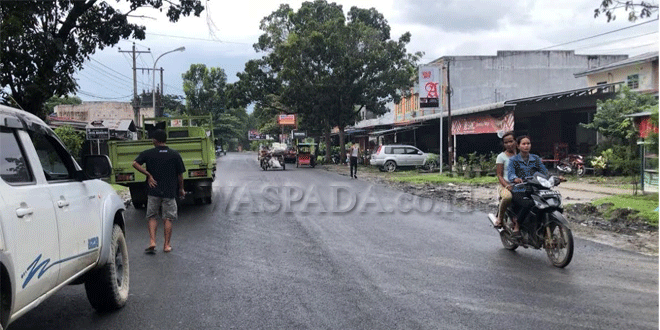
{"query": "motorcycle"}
(269, 160)
(545, 226)
(572, 164)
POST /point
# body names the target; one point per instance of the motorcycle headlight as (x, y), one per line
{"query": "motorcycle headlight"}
(544, 182)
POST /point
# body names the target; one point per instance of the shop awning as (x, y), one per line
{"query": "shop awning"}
(393, 130)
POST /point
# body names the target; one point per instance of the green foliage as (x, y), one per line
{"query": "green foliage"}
(44, 43)
(71, 138)
(205, 90)
(621, 160)
(600, 162)
(49, 106)
(325, 65)
(610, 118)
(636, 9)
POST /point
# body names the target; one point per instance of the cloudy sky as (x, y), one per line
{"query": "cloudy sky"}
(224, 34)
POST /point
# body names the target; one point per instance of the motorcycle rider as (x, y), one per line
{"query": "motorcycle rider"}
(521, 166)
(502, 170)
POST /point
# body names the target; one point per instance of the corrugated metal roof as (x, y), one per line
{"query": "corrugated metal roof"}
(646, 57)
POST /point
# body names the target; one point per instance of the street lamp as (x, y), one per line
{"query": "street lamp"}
(180, 49)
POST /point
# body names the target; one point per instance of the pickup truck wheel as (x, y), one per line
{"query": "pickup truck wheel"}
(107, 287)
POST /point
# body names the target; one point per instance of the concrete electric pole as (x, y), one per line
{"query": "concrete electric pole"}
(136, 106)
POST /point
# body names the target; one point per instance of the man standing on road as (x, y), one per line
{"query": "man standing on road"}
(354, 152)
(165, 173)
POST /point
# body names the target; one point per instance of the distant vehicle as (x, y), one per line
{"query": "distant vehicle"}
(392, 156)
(59, 224)
(219, 151)
(290, 155)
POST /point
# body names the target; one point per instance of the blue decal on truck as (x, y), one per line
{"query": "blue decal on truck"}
(37, 267)
(93, 243)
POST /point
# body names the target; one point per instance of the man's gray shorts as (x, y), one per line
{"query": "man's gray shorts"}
(163, 207)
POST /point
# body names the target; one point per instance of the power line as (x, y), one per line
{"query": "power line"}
(104, 83)
(601, 34)
(202, 39)
(617, 40)
(103, 97)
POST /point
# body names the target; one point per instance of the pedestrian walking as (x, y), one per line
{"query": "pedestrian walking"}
(354, 152)
(164, 178)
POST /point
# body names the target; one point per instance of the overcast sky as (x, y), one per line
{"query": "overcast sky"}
(224, 34)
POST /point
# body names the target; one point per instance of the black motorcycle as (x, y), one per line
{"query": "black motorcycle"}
(545, 226)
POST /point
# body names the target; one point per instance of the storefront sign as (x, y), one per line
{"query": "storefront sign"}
(286, 120)
(429, 86)
(97, 133)
(482, 124)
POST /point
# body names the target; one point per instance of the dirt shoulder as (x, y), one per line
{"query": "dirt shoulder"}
(588, 222)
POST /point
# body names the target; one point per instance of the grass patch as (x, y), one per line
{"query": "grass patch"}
(645, 204)
(437, 178)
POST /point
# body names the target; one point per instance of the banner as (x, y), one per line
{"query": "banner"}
(255, 135)
(286, 120)
(429, 86)
(482, 124)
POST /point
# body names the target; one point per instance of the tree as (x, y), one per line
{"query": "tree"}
(172, 104)
(326, 66)
(636, 9)
(72, 139)
(205, 90)
(49, 106)
(612, 121)
(43, 43)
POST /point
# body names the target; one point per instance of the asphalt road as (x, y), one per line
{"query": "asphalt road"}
(254, 259)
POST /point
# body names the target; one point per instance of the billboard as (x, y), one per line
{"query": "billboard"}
(286, 120)
(429, 86)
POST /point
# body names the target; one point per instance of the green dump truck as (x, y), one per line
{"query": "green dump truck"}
(191, 136)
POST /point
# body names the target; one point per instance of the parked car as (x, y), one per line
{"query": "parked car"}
(59, 224)
(390, 157)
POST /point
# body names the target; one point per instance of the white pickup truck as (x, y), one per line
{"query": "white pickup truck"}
(59, 224)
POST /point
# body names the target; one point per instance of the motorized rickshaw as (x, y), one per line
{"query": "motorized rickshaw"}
(306, 154)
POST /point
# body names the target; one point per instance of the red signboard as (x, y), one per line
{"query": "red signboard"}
(646, 127)
(482, 124)
(286, 120)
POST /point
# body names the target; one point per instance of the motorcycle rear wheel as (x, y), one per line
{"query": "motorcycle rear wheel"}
(580, 171)
(559, 247)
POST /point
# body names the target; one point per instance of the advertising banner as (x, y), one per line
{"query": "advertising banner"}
(482, 124)
(255, 135)
(286, 120)
(429, 86)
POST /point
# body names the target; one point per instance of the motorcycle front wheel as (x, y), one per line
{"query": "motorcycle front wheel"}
(559, 245)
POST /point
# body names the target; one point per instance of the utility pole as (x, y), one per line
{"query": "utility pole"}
(156, 89)
(136, 106)
(160, 109)
(450, 136)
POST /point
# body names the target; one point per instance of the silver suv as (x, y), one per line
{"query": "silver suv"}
(389, 157)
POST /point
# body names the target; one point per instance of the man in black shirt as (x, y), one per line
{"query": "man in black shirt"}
(164, 174)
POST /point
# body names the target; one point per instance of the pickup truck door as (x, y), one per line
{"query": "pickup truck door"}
(75, 205)
(28, 220)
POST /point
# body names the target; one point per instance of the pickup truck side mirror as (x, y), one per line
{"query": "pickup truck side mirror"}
(97, 166)
(420, 153)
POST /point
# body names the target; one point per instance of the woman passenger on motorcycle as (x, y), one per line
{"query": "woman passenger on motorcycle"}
(521, 166)
(502, 170)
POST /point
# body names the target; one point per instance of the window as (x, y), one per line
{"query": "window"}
(14, 168)
(398, 151)
(633, 81)
(411, 151)
(56, 162)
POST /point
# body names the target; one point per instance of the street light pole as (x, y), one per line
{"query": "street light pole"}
(153, 103)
